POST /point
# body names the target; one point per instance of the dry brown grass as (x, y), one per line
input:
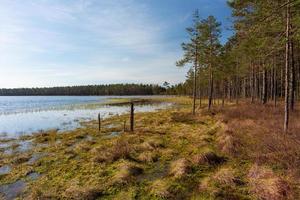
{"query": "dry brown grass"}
(179, 168)
(225, 176)
(255, 131)
(121, 149)
(265, 184)
(78, 193)
(148, 156)
(207, 157)
(126, 172)
(160, 189)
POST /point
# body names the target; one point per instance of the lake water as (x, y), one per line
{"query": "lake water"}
(27, 114)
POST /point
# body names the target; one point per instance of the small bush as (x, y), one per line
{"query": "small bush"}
(121, 149)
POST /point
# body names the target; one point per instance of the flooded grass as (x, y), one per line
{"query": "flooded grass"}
(5, 170)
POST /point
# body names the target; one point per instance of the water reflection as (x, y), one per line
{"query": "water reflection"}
(13, 190)
(5, 169)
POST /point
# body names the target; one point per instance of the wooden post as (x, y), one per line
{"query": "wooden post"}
(124, 126)
(99, 122)
(132, 117)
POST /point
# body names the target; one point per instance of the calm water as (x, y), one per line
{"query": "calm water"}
(25, 115)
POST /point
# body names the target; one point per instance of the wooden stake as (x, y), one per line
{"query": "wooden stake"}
(132, 117)
(99, 122)
(124, 126)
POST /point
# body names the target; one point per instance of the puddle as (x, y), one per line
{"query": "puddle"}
(33, 176)
(14, 146)
(112, 135)
(13, 190)
(25, 145)
(4, 145)
(111, 126)
(89, 138)
(35, 158)
(5, 169)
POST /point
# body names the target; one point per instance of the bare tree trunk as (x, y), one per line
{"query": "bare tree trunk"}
(230, 90)
(252, 83)
(265, 88)
(211, 84)
(275, 87)
(244, 88)
(293, 78)
(236, 90)
(200, 96)
(281, 83)
(194, 89)
(272, 83)
(223, 94)
(195, 82)
(287, 70)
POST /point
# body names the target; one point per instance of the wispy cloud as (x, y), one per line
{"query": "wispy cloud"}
(55, 42)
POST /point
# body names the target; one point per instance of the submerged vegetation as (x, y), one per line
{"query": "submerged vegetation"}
(172, 154)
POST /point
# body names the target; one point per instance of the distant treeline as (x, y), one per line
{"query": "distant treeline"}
(111, 89)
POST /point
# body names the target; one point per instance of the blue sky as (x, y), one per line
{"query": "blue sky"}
(80, 42)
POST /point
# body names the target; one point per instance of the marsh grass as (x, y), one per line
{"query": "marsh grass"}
(221, 154)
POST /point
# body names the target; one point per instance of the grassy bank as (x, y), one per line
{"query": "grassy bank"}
(171, 155)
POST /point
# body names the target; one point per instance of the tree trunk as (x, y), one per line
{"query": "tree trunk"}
(265, 86)
(195, 82)
(223, 94)
(194, 89)
(275, 87)
(200, 97)
(210, 88)
(287, 70)
(293, 78)
(252, 83)
(281, 83)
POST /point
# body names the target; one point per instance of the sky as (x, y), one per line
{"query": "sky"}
(46, 43)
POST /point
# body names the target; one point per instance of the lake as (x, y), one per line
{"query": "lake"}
(22, 115)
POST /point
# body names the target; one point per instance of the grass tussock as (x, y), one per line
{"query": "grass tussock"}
(78, 192)
(125, 173)
(160, 189)
(179, 168)
(148, 157)
(265, 184)
(207, 157)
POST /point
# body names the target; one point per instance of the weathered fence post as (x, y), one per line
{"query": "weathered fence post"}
(132, 117)
(124, 126)
(99, 122)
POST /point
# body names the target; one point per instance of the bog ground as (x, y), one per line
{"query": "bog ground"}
(235, 152)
